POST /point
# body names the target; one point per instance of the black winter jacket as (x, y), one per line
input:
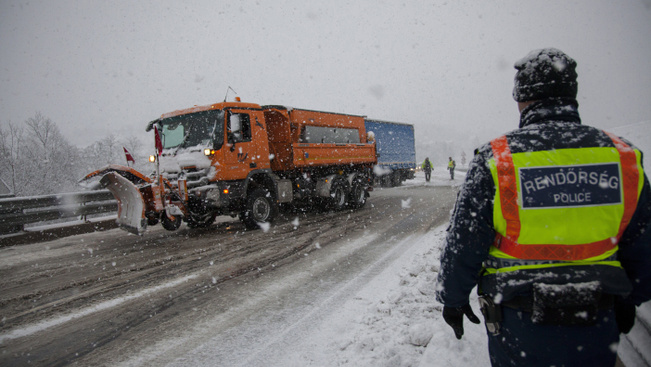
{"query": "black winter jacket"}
(544, 125)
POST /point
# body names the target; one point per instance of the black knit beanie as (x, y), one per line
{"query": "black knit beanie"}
(545, 73)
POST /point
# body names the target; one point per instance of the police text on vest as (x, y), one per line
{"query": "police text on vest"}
(563, 186)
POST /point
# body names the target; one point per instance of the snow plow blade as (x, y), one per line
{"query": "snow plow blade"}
(131, 205)
(127, 172)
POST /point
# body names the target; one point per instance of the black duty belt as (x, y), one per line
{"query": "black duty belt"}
(522, 303)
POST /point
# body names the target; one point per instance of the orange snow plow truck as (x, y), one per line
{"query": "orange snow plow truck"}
(243, 159)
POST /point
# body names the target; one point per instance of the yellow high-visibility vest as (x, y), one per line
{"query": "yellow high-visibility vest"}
(562, 207)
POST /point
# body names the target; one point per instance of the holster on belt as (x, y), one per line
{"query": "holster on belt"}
(492, 314)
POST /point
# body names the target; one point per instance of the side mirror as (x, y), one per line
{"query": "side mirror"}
(230, 139)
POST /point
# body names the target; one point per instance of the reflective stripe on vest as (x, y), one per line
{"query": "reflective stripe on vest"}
(543, 217)
(499, 263)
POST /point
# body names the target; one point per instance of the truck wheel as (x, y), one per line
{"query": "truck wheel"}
(396, 180)
(260, 208)
(386, 180)
(338, 195)
(171, 224)
(357, 197)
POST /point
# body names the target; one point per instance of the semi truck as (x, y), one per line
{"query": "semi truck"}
(243, 159)
(396, 151)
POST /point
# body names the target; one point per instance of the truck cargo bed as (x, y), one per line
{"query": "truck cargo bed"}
(303, 138)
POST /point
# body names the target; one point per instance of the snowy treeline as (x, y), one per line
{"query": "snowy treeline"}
(35, 159)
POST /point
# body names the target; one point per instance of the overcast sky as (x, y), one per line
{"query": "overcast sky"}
(102, 67)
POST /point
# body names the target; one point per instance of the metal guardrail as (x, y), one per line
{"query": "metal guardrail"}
(15, 213)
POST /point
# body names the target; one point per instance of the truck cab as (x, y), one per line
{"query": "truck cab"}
(211, 154)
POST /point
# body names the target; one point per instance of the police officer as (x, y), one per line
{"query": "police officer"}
(553, 226)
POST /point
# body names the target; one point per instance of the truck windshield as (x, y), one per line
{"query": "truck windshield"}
(205, 129)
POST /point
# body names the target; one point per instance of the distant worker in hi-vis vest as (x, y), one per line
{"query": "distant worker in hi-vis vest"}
(427, 168)
(451, 166)
(553, 226)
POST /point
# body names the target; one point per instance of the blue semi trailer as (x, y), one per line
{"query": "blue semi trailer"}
(396, 151)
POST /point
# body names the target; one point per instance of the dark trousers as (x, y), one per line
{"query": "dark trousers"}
(428, 174)
(523, 343)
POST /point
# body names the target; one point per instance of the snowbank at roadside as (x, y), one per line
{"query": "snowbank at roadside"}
(396, 321)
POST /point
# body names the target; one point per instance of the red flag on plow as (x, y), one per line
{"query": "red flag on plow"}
(159, 143)
(129, 156)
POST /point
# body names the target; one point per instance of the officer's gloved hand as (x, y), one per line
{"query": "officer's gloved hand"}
(454, 317)
(624, 315)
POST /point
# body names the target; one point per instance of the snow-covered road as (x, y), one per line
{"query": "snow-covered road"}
(365, 300)
(315, 315)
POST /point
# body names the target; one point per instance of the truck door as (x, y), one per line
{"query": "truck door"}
(240, 152)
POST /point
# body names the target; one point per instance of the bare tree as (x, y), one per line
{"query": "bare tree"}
(11, 142)
(37, 158)
(43, 133)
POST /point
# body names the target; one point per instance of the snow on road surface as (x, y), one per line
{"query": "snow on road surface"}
(386, 318)
(392, 319)
(35, 328)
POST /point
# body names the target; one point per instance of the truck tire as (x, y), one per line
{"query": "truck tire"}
(171, 224)
(385, 181)
(396, 179)
(260, 208)
(357, 197)
(338, 195)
